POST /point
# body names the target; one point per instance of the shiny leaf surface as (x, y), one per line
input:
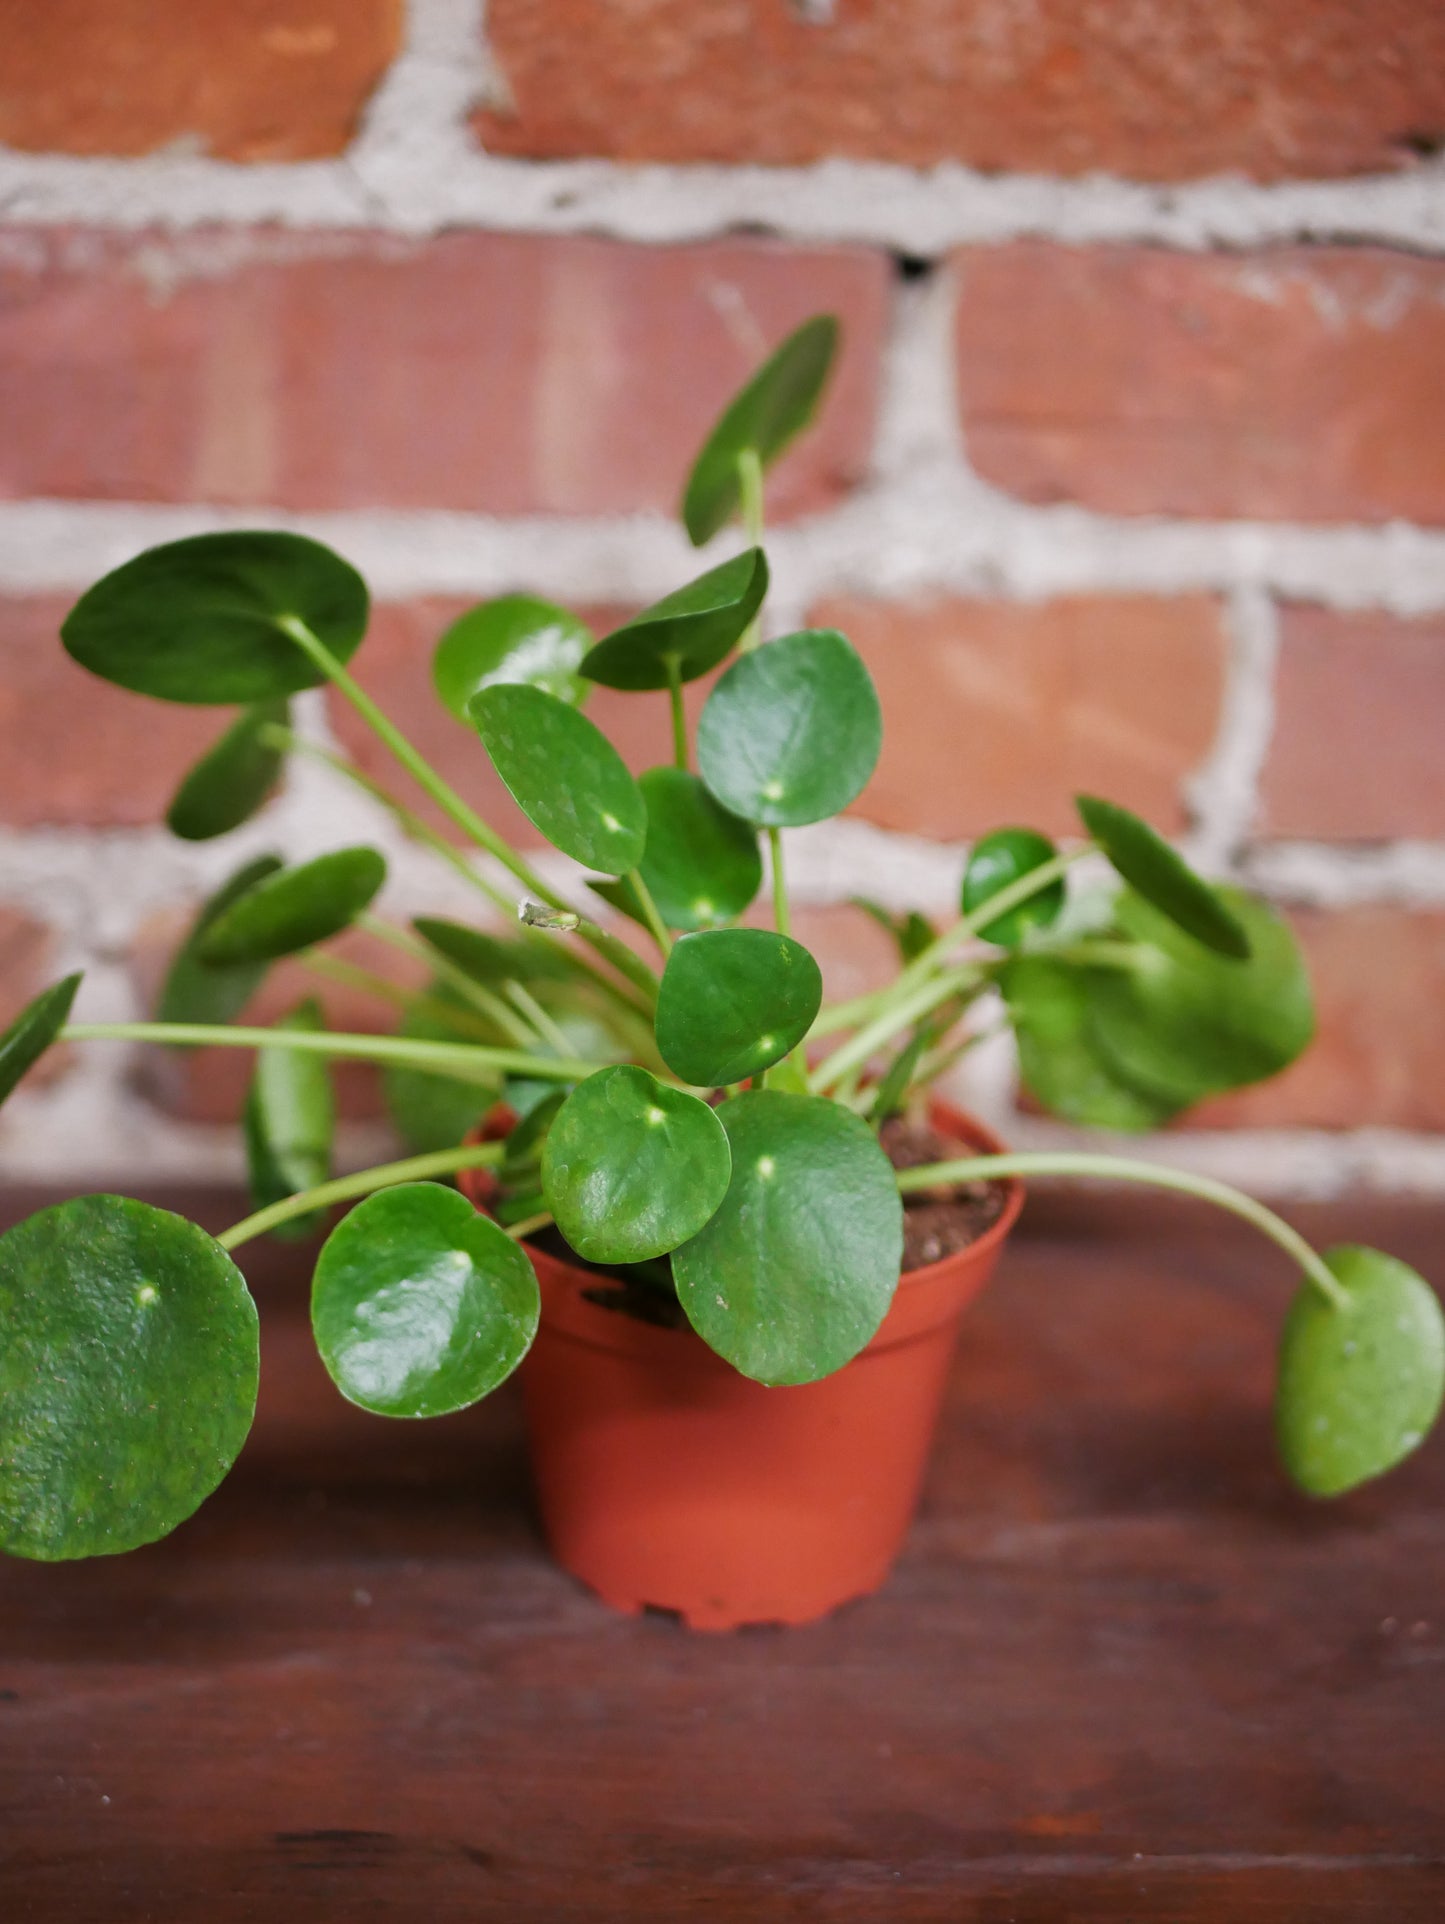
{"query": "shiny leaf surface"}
(515, 638)
(733, 1002)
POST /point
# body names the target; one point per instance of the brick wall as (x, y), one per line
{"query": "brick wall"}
(1133, 477)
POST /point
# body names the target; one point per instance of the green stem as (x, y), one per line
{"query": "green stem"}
(463, 1061)
(1022, 890)
(649, 908)
(892, 1018)
(780, 884)
(440, 1162)
(331, 968)
(1123, 1169)
(569, 922)
(529, 1224)
(679, 713)
(537, 1016)
(480, 998)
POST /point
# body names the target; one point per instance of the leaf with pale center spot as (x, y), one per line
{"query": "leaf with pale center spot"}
(232, 780)
(419, 1305)
(197, 991)
(631, 1167)
(27, 1038)
(1358, 1387)
(691, 629)
(202, 620)
(763, 417)
(1152, 868)
(792, 1276)
(733, 1002)
(564, 775)
(291, 910)
(792, 731)
(701, 863)
(516, 638)
(128, 1375)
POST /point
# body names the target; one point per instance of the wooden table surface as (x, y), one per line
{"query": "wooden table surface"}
(1122, 1672)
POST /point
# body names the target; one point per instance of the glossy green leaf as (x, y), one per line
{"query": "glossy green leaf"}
(493, 959)
(912, 931)
(777, 404)
(232, 780)
(564, 775)
(733, 1002)
(995, 862)
(1152, 868)
(513, 639)
(291, 910)
(1185, 1022)
(1050, 1006)
(419, 1305)
(33, 1030)
(127, 1375)
(632, 1167)
(1358, 1388)
(196, 991)
(793, 1274)
(201, 620)
(695, 628)
(791, 732)
(701, 864)
(290, 1121)
(433, 1111)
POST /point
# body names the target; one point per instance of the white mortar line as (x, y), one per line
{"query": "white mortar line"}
(1223, 793)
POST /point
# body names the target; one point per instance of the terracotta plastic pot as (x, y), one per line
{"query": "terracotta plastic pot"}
(665, 1479)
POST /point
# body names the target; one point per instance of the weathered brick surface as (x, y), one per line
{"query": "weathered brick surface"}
(1294, 383)
(1356, 754)
(253, 80)
(209, 1085)
(26, 967)
(497, 373)
(999, 711)
(1269, 87)
(1379, 1055)
(74, 751)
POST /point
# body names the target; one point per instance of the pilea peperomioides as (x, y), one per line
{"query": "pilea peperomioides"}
(707, 1119)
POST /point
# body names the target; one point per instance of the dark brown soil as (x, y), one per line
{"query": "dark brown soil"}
(937, 1224)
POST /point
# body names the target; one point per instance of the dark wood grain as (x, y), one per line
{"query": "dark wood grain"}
(1122, 1671)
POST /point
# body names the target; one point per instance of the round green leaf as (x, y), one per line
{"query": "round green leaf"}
(419, 1305)
(196, 991)
(1151, 867)
(432, 1111)
(733, 1002)
(565, 776)
(794, 1273)
(127, 1375)
(693, 628)
(295, 908)
(631, 1167)
(1184, 1022)
(791, 733)
(33, 1030)
(1358, 1388)
(777, 403)
(290, 1121)
(202, 620)
(232, 780)
(701, 864)
(997, 861)
(490, 959)
(513, 639)
(1062, 1066)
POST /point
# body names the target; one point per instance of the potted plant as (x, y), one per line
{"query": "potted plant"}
(695, 1173)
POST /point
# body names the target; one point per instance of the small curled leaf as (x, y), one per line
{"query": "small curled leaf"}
(232, 780)
(196, 991)
(1162, 877)
(33, 1030)
(291, 910)
(290, 1120)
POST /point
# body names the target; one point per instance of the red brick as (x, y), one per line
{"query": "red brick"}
(394, 667)
(505, 374)
(1379, 1056)
(252, 80)
(74, 751)
(26, 967)
(1293, 383)
(1356, 749)
(209, 1085)
(1274, 88)
(998, 712)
